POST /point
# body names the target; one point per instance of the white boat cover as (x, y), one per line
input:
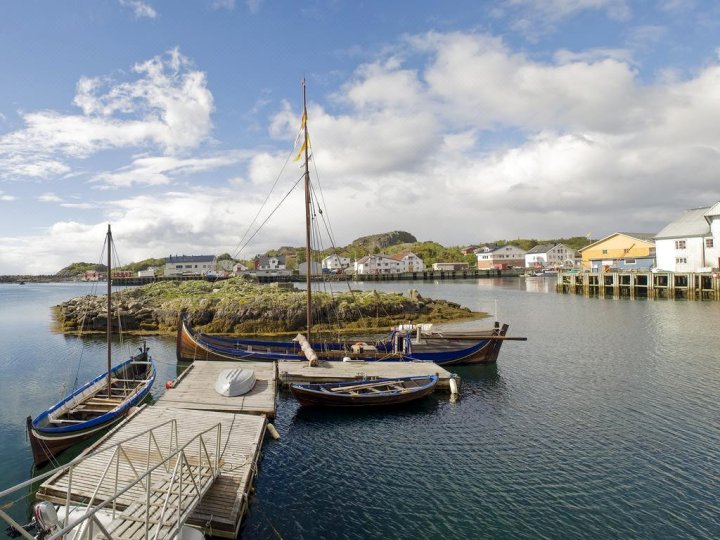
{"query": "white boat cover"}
(235, 382)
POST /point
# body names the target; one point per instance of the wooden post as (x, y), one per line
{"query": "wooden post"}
(307, 350)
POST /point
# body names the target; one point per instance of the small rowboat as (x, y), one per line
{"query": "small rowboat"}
(365, 393)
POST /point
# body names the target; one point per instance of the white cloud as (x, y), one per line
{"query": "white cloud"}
(140, 9)
(562, 9)
(6, 198)
(160, 170)
(168, 106)
(49, 197)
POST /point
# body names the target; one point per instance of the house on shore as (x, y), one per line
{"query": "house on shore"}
(377, 264)
(335, 262)
(179, 265)
(266, 262)
(550, 256)
(690, 243)
(409, 262)
(500, 257)
(620, 251)
(450, 266)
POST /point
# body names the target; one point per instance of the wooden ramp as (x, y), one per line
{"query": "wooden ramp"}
(196, 389)
(299, 372)
(225, 501)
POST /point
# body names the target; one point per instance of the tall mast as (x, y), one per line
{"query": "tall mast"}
(109, 305)
(307, 217)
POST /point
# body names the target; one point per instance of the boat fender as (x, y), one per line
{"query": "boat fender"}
(347, 359)
(272, 431)
(453, 386)
(169, 384)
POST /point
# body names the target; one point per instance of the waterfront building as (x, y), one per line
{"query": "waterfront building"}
(265, 262)
(335, 262)
(178, 265)
(377, 264)
(690, 243)
(550, 256)
(500, 257)
(450, 266)
(622, 251)
(315, 268)
(147, 273)
(409, 262)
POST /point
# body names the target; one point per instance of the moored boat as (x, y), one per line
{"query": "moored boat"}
(379, 392)
(97, 404)
(402, 344)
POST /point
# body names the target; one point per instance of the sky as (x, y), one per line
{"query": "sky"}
(459, 121)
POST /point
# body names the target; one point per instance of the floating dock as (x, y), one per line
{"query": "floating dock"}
(192, 406)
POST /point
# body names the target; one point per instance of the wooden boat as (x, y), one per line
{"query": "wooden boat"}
(97, 404)
(483, 348)
(379, 392)
(480, 347)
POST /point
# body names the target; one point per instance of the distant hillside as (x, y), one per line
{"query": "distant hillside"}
(379, 242)
(76, 269)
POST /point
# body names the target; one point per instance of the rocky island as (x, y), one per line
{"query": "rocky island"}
(242, 306)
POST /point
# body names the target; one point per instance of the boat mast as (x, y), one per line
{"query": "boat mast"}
(307, 216)
(109, 306)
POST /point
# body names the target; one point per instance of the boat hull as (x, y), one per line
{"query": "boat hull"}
(350, 394)
(484, 349)
(49, 436)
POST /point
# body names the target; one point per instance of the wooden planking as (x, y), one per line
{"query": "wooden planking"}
(197, 389)
(300, 372)
(223, 506)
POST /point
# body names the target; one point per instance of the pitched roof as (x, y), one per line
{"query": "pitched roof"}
(189, 258)
(540, 248)
(691, 222)
(643, 237)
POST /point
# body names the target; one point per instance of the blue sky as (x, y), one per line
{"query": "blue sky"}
(458, 121)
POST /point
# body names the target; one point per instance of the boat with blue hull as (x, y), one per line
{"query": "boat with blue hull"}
(373, 393)
(97, 404)
(407, 343)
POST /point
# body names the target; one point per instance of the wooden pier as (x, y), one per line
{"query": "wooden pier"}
(192, 406)
(670, 285)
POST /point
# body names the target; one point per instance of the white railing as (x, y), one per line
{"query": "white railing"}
(172, 465)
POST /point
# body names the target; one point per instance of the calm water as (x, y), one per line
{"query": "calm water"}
(604, 424)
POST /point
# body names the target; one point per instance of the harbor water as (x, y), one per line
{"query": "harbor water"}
(605, 423)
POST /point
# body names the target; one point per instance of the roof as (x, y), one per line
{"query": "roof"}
(497, 248)
(691, 222)
(540, 248)
(643, 237)
(402, 255)
(189, 258)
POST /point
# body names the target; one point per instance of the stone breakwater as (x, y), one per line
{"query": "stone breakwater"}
(239, 306)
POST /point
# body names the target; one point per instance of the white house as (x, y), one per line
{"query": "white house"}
(335, 262)
(315, 268)
(450, 266)
(691, 243)
(500, 257)
(147, 273)
(409, 262)
(550, 256)
(377, 264)
(178, 265)
(265, 262)
(239, 268)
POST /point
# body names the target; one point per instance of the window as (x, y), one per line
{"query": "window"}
(626, 251)
(709, 242)
(629, 261)
(604, 251)
(679, 244)
(681, 260)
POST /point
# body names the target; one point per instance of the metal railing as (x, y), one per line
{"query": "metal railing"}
(173, 466)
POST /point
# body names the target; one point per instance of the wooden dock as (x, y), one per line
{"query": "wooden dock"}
(221, 509)
(196, 389)
(192, 406)
(670, 285)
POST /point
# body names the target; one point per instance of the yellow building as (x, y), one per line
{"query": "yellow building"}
(623, 251)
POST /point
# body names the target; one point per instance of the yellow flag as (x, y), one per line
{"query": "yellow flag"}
(302, 149)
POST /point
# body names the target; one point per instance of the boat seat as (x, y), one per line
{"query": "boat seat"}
(57, 421)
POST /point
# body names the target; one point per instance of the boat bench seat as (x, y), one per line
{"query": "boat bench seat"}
(58, 421)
